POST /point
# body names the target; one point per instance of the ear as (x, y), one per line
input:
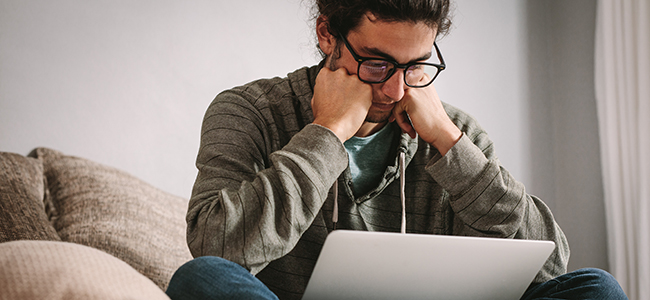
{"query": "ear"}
(326, 41)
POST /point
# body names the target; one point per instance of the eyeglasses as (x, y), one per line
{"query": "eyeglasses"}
(377, 70)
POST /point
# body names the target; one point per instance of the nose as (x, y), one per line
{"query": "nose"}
(395, 86)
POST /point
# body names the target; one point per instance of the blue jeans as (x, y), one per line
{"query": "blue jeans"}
(212, 278)
(587, 283)
(209, 278)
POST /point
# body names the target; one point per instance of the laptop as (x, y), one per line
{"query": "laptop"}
(382, 265)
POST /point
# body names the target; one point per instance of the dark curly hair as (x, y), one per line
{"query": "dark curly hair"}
(345, 15)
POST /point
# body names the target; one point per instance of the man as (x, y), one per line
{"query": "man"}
(285, 161)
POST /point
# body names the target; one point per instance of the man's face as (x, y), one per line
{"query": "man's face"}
(403, 42)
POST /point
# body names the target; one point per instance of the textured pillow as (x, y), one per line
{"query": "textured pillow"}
(108, 209)
(66, 271)
(22, 215)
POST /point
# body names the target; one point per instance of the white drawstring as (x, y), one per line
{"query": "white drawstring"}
(402, 183)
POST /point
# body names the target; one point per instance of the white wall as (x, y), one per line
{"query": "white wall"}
(126, 83)
(486, 74)
(579, 203)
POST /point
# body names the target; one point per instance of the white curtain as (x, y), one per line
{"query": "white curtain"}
(622, 77)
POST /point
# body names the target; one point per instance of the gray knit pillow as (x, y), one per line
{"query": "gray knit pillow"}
(22, 215)
(108, 209)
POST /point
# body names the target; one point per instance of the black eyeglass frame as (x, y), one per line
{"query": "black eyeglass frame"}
(360, 60)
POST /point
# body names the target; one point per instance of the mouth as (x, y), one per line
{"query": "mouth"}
(383, 106)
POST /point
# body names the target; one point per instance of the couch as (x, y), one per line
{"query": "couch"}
(71, 228)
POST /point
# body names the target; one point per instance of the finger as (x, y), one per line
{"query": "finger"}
(404, 123)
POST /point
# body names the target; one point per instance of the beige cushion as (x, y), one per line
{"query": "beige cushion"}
(66, 271)
(22, 215)
(108, 209)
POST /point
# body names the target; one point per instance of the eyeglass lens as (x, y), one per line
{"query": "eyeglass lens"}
(379, 70)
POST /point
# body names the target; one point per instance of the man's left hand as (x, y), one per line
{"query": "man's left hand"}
(427, 117)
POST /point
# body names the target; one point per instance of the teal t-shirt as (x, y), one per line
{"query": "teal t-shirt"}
(369, 157)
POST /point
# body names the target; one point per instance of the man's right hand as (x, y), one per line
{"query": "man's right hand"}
(340, 102)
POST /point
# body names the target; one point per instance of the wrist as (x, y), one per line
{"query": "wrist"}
(447, 139)
(332, 128)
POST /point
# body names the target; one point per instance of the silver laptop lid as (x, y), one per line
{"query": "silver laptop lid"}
(381, 265)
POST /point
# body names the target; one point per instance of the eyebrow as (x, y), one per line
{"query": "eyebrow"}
(377, 52)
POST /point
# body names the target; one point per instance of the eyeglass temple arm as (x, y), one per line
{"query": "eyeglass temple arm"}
(442, 60)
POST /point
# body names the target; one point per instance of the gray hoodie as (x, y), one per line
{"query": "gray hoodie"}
(264, 194)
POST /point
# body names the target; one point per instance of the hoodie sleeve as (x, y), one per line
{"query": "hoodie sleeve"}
(251, 204)
(488, 201)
